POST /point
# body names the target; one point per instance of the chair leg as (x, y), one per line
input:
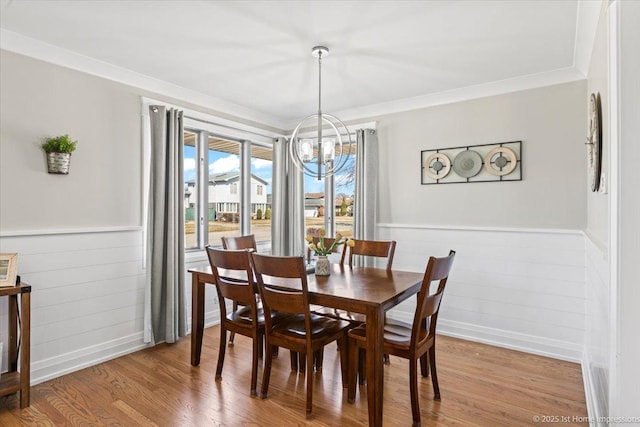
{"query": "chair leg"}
(294, 360)
(309, 374)
(266, 374)
(413, 386)
(223, 345)
(385, 359)
(232, 334)
(362, 363)
(424, 365)
(343, 346)
(318, 358)
(302, 362)
(434, 374)
(276, 351)
(352, 370)
(257, 350)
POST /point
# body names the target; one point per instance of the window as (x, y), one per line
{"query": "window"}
(261, 174)
(213, 190)
(316, 207)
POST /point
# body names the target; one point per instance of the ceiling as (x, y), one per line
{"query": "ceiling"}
(253, 58)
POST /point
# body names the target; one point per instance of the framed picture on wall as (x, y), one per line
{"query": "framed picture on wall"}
(8, 269)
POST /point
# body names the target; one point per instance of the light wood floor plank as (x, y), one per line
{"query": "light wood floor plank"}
(480, 385)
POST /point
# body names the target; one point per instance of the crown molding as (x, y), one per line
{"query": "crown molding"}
(27, 46)
(515, 84)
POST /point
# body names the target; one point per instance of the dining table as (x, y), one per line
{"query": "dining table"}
(367, 290)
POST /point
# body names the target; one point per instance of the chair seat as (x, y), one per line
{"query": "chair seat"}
(293, 326)
(354, 318)
(397, 333)
(243, 314)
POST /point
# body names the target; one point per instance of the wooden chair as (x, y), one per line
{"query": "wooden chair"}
(282, 283)
(374, 248)
(413, 342)
(248, 320)
(236, 244)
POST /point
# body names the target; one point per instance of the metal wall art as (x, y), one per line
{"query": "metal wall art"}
(473, 163)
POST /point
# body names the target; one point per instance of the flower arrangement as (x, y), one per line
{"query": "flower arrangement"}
(321, 248)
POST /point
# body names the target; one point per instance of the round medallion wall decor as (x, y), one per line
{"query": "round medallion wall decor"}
(438, 166)
(467, 164)
(500, 161)
(594, 142)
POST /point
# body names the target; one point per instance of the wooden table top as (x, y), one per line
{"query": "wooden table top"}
(364, 286)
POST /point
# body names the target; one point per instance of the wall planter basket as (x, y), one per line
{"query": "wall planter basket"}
(59, 151)
(58, 163)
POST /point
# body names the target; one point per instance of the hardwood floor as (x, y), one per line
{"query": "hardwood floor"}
(480, 385)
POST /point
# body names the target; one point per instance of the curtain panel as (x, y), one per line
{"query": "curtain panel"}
(366, 189)
(165, 302)
(287, 213)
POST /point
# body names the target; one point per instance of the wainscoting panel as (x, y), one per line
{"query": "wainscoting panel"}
(595, 362)
(520, 289)
(87, 299)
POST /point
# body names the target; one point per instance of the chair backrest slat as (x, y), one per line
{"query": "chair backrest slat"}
(375, 248)
(282, 282)
(240, 286)
(241, 242)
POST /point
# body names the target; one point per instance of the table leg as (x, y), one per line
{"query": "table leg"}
(197, 318)
(25, 351)
(375, 374)
(13, 333)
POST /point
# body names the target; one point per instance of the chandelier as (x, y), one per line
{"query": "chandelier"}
(321, 152)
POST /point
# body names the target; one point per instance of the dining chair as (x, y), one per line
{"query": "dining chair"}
(369, 248)
(282, 283)
(248, 320)
(410, 341)
(238, 243)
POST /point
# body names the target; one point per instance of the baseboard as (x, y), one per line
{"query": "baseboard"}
(589, 392)
(66, 363)
(500, 338)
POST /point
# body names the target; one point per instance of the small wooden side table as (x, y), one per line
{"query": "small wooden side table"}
(18, 381)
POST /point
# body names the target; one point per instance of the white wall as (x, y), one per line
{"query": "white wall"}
(518, 280)
(520, 289)
(103, 187)
(550, 121)
(79, 236)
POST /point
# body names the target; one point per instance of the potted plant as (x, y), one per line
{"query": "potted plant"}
(59, 151)
(322, 250)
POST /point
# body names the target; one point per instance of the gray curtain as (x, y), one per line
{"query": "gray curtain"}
(366, 192)
(287, 213)
(165, 227)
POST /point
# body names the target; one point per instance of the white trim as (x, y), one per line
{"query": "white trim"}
(541, 346)
(217, 125)
(69, 231)
(589, 392)
(480, 228)
(63, 364)
(586, 26)
(614, 200)
(515, 84)
(28, 46)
